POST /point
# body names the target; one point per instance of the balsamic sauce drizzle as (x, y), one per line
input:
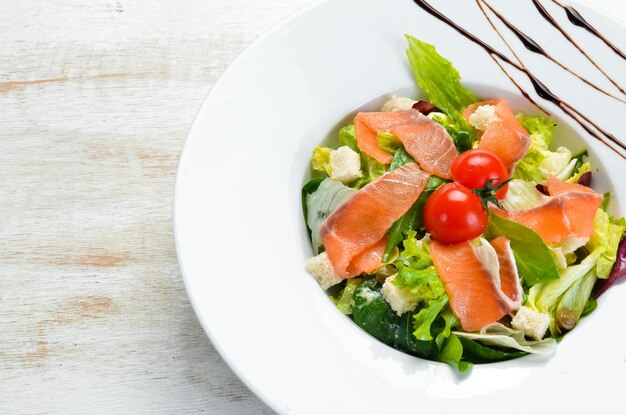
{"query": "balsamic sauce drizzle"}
(548, 17)
(578, 20)
(533, 46)
(542, 90)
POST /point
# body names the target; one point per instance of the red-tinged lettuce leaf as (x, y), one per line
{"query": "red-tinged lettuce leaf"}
(617, 273)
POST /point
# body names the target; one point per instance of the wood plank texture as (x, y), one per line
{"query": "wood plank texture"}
(95, 101)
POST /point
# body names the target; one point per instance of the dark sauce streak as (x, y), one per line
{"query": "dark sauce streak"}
(528, 42)
(542, 90)
(576, 19)
(533, 46)
(436, 13)
(521, 90)
(546, 15)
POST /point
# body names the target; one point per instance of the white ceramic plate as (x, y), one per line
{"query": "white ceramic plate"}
(242, 242)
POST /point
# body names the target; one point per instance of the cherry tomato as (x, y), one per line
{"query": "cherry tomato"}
(453, 214)
(474, 168)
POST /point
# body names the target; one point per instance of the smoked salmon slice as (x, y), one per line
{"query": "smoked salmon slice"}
(557, 187)
(426, 141)
(477, 291)
(364, 219)
(467, 113)
(370, 259)
(429, 144)
(367, 125)
(566, 215)
(509, 278)
(504, 135)
(367, 143)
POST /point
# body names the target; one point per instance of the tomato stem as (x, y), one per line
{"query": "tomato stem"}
(487, 193)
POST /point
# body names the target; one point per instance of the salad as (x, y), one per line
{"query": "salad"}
(450, 229)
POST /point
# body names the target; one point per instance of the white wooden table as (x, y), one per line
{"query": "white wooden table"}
(95, 101)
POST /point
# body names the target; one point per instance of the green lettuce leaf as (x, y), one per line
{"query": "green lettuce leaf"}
(433, 184)
(534, 260)
(499, 335)
(309, 187)
(452, 353)
(539, 160)
(371, 169)
(424, 319)
(418, 278)
(580, 159)
(406, 341)
(438, 78)
(416, 271)
(462, 139)
(546, 296)
(528, 167)
(573, 303)
(329, 195)
(398, 230)
(347, 137)
(523, 195)
(373, 314)
(414, 218)
(606, 199)
(584, 168)
(321, 160)
(450, 321)
(607, 234)
(478, 353)
(400, 158)
(346, 301)
(540, 129)
(388, 141)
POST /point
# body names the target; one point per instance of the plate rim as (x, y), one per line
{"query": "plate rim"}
(224, 355)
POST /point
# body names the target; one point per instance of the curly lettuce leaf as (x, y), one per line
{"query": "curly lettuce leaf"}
(347, 137)
(439, 79)
(607, 235)
(418, 277)
(320, 162)
(423, 283)
(424, 319)
(416, 271)
(539, 160)
(540, 129)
